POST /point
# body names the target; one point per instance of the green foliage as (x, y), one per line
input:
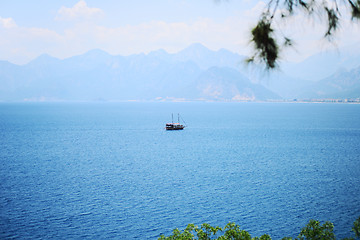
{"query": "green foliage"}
(265, 38)
(233, 231)
(355, 9)
(205, 232)
(356, 228)
(314, 230)
(333, 21)
(263, 237)
(266, 48)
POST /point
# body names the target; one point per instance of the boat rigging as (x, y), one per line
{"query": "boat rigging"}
(175, 126)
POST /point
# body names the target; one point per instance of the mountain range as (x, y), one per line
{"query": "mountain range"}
(194, 74)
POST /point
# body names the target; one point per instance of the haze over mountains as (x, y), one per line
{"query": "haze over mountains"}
(195, 73)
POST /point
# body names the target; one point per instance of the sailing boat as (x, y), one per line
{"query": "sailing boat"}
(175, 126)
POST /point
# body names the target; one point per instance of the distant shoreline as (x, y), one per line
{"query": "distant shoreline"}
(342, 101)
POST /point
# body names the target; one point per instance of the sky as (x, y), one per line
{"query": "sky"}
(66, 28)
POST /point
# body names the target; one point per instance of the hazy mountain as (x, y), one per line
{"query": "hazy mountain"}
(227, 84)
(205, 58)
(281, 84)
(343, 84)
(11, 77)
(293, 78)
(323, 64)
(97, 75)
(192, 74)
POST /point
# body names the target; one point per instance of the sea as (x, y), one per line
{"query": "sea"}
(111, 170)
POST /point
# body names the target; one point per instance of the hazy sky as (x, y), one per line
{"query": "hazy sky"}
(71, 27)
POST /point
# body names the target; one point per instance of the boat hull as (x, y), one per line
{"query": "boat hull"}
(174, 129)
(175, 126)
(171, 126)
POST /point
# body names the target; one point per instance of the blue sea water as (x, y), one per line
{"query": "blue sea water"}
(111, 171)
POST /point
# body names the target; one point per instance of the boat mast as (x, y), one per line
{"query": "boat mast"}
(172, 118)
(178, 118)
